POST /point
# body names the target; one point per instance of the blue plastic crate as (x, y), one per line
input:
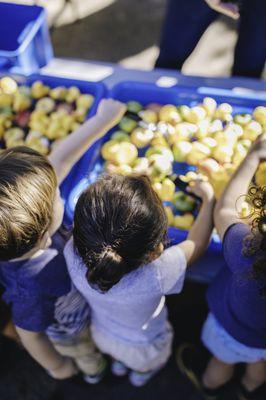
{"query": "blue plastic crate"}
(25, 44)
(150, 93)
(98, 90)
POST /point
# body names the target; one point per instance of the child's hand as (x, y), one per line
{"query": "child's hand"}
(259, 147)
(229, 9)
(111, 111)
(201, 189)
(66, 370)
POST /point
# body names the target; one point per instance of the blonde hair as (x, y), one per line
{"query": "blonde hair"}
(27, 190)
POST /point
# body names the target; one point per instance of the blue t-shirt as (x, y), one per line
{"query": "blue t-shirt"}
(40, 293)
(234, 296)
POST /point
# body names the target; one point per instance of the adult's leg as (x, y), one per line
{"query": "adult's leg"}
(250, 51)
(184, 24)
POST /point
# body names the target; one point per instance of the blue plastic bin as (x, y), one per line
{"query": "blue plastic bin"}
(98, 90)
(25, 44)
(150, 93)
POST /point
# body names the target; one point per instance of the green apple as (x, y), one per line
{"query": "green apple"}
(127, 124)
(134, 106)
(183, 202)
(149, 116)
(120, 136)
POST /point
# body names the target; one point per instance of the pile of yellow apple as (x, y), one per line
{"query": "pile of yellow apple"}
(38, 115)
(206, 136)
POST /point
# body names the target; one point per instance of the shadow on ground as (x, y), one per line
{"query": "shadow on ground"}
(120, 30)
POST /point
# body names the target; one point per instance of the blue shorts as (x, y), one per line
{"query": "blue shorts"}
(225, 347)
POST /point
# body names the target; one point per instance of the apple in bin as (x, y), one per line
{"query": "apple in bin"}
(182, 131)
(209, 142)
(224, 112)
(149, 116)
(239, 154)
(259, 115)
(209, 105)
(140, 165)
(127, 124)
(170, 215)
(209, 166)
(184, 221)
(198, 152)
(203, 129)
(169, 113)
(119, 152)
(141, 137)
(181, 150)
(120, 136)
(252, 130)
(161, 150)
(160, 166)
(183, 202)
(134, 106)
(165, 189)
(118, 169)
(196, 114)
(242, 119)
(223, 153)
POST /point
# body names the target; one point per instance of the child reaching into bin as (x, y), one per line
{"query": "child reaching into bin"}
(118, 262)
(235, 329)
(50, 316)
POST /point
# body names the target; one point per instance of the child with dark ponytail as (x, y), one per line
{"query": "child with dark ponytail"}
(117, 259)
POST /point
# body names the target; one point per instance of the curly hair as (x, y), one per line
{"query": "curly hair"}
(255, 243)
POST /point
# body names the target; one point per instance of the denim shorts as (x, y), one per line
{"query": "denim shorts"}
(224, 347)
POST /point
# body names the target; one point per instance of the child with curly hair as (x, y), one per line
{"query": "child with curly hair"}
(235, 329)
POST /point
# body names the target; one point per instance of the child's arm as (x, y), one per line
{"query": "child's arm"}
(42, 350)
(70, 150)
(199, 235)
(225, 210)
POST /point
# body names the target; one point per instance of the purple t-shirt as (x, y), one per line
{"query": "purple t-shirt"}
(234, 296)
(40, 293)
(133, 310)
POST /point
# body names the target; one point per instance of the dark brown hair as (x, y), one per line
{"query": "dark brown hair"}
(27, 189)
(255, 244)
(119, 221)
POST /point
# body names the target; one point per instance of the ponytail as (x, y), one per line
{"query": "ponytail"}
(106, 270)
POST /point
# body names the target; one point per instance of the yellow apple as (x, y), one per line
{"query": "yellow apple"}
(242, 119)
(210, 105)
(169, 113)
(160, 165)
(149, 116)
(141, 165)
(252, 130)
(184, 221)
(215, 126)
(126, 154)
(109, 150)
(181, 150)
(223, 153)
(170, 216)
(259, 114)
(161, 150)
(239, 154)
(209, 142)
(224, 112)
(141, 137)
(184, 112)
(209, 166)
(198, 152)
(203, 129)
(196, 114)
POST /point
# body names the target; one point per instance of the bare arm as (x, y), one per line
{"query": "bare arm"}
(199, 235)
(70, 150)
(42, 350)
(225, 210)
